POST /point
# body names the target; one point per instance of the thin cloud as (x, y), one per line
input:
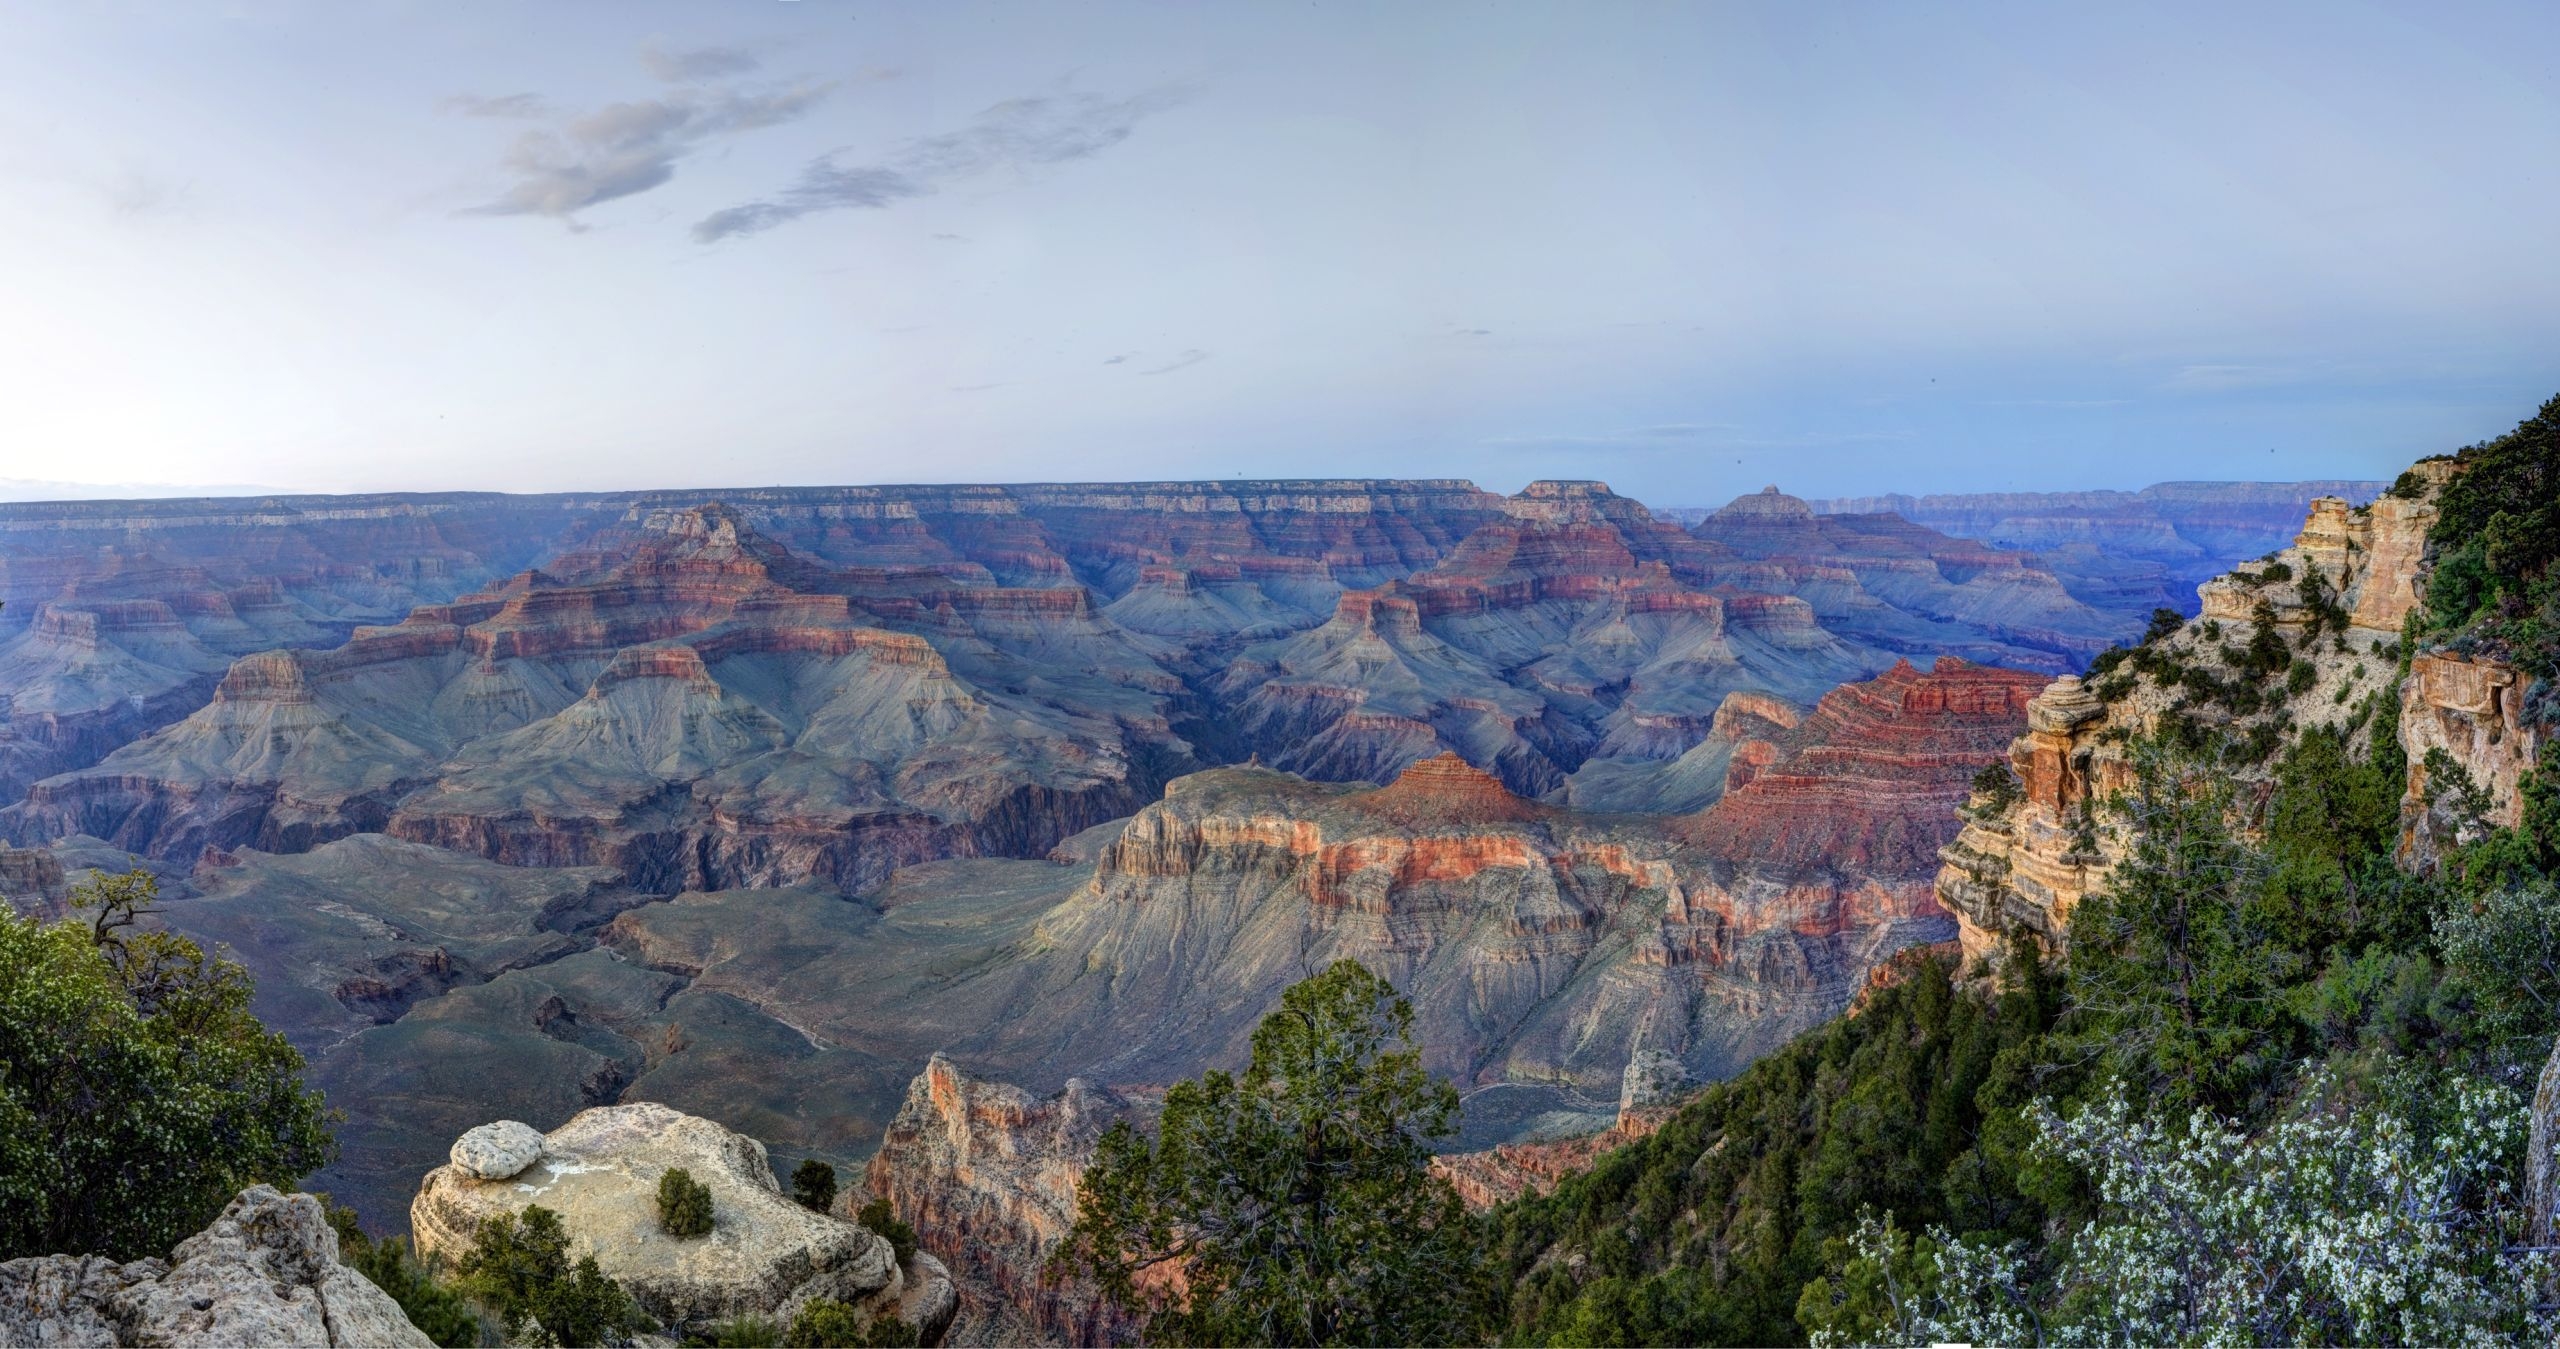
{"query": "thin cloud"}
(1690, 437)
(137, 192)
(698, 63)
(2218, 378)
(1184, 361)
(525, 106)
(623, 149)
(1019, 133)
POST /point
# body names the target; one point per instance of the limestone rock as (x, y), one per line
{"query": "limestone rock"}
(1653, 1078)
(265, 1273)
(497, 1151)
(2473, 711)
(2026, 865)
(764, 1255)
(987, 1175)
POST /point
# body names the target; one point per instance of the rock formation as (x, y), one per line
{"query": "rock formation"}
(1654, 1087)
(987, 1175)
(825, 683)
(2188, 531)
(2337, 600)
(764, 1256)
(2465, 714)
(265, 1273)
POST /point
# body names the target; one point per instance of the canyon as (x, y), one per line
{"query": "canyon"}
(781, 806)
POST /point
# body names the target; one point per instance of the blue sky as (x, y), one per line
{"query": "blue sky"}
(1687, 248)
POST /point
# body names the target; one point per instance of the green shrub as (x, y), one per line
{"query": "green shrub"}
(824, 1323)
(684, 1204)
(138, 1094)
(813, 1183)
(520, 1267)
(2299, 677)
(880, 1218)
(441, 1313)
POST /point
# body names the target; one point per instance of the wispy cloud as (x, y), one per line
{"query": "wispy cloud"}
(137, 192)
(1692, 437)
(1184, 361)
(1019, 133)
(2219, 378)
(697, 63)
(623, 149)
(525, 106)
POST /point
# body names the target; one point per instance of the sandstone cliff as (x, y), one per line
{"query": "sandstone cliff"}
(265, 1273)
(2326, 617)
(987, 1175)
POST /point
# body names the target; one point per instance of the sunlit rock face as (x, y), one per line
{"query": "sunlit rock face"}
(987, 1175)
(2027, 865)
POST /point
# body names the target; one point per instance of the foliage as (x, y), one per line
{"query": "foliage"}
(520, 1267)
(1707, 1231)
(2497, 535)
(440, 1312)
(880, 1218)
(2164, 622)
(2338, 1224)
(1296, 1201)
(813, 1184)
(138, 1093)
(684, 1204)
(1997, 787)
(824, 1323)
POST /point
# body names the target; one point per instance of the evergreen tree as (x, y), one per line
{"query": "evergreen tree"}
(1294, 1204)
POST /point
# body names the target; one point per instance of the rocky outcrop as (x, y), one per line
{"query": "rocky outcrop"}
(764, 1256)
(1654, 1088)
(32, 881)
(2469, 745)
(987, 1175)
(265, 1273)
(2335, 601)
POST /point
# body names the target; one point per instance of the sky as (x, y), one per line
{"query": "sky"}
(1686, 248)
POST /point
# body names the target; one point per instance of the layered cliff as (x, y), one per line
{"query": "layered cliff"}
(2309, 636)
(2191, 531)
(987, 1175)
(697, 709)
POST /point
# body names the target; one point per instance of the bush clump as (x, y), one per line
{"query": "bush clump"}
(520, 1268)
(439, 1312)
(813, 1184)
(684, 1204)
(880, 1218)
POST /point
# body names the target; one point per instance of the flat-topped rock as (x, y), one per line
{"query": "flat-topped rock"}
(764, 1255)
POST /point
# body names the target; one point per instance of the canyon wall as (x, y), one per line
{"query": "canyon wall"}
(2336, 601)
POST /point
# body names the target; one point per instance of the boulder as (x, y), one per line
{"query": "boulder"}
(265, 1273)
(497, 1151)
(764, 1255)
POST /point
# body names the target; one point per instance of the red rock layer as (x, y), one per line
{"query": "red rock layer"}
(1871, 779)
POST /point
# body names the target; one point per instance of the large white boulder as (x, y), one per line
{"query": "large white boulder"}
(764, 1256)
(497, 1151)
